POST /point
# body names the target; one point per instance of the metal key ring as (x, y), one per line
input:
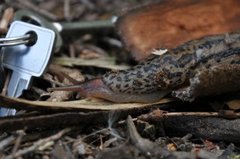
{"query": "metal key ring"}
(12, 41)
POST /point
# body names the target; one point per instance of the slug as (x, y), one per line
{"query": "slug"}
(201, 67)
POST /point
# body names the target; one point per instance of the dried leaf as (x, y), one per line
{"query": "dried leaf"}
(6, 20)
(234, 104)
(170, 23)
(61, 119)
(103, 62)
(66, 76)
(79, 105)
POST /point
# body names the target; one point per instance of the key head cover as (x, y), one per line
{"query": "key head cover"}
(29, 59)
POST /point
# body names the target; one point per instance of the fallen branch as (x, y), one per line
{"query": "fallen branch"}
(201, 124)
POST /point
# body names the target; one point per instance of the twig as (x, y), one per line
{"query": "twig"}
(104, 130)
(89, 4)
(202, 114)
(103, 62)
(67, 9)
(158, 114)
(38, 143)
(27, 4)
(72, 51)
(223, 113)
(53, 81)
(35, 8)
(6, 142)
(18, 141)
(6, 19)
(144, 145)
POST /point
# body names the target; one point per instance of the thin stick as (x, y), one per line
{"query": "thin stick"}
(6, 142)
(197, 114)
(144, 145)
(27, 4)
(205, 114)
(67, 9)
(18, 141)
(6, 19)
(38, 143)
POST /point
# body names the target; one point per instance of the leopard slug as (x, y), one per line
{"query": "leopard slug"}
(205, 66)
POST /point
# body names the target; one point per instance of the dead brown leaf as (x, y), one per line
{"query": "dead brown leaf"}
(170, 23)
(78, 105)
(234, 104)
(103, 62)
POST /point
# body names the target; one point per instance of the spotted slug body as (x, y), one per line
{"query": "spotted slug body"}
(187, 72)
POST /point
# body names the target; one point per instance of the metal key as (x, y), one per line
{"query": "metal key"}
(26, 61)
(11, 41)
(64, 28)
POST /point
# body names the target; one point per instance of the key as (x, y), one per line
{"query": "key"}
(26, 61)
(6, 42)
(64, 27)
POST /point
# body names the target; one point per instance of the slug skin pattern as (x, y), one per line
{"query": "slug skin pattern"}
(202, 67)
(182, 70)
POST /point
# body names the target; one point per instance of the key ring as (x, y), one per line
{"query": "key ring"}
(12, 41)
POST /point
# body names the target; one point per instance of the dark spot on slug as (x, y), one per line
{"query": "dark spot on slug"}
(111, 77)
(139, 74)
(185, 59)
(208, 65)
(126, 85)
(106, 75)
(138, 66)
(118, 86)
(119, 79)
(129, 92)
(137, 83)
(147, 85)
(218, 60)
(124, 71)
(178, 81)
(127, 80)
(146, 68)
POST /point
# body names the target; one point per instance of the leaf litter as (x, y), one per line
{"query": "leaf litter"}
(64, 125)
